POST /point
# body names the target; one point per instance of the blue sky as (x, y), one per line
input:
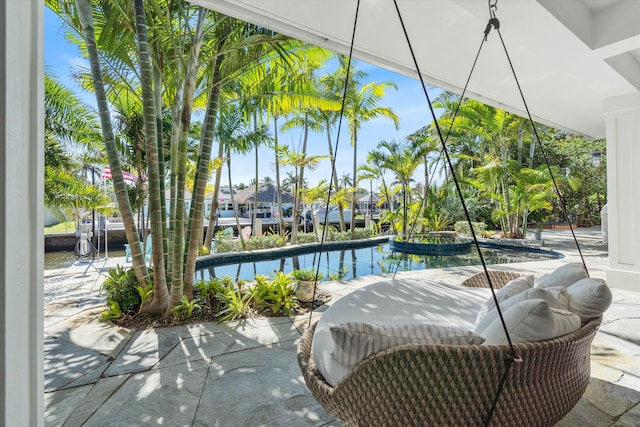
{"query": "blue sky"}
(63, 59)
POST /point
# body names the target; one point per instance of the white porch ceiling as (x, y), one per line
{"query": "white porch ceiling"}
(569, 55)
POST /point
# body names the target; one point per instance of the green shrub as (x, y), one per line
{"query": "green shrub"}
(185, 310)
(235, 303)
(204, 251)
(121, 286)
(307, 238)
(282, 294)
(363, 233)
(462, 228)
(113, 313)
(227, 245)
(262, 242)
(307, 275)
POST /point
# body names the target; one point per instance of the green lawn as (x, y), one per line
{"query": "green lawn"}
(62, 228)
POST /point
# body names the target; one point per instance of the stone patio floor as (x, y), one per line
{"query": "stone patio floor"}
(246, 373)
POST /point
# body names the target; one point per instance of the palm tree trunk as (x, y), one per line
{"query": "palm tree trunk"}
(85, 15)
(196, 216)
(255, 194)
(295, 217)
(157, 86)
(177, 277)
(334, 175)
(505, 189)
(355, 181)
(278, 192)
(425, 193)
(160, 295)
(213, 210)
(176, 114)
(233, 203)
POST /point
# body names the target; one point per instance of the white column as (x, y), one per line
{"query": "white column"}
(622, 115)
(21, 212)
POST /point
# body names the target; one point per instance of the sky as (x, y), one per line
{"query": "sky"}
(63, 59)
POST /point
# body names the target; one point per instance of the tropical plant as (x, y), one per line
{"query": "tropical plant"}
(145, 293)
(261, 291)
(236, 303)
(158, 52)
(307, 275)
(463, 229)
(68, 124)
(399, 159)
(184, 310)
(121, 286)
(282, 295)
(112, 313)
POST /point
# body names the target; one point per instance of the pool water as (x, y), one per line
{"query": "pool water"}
(351, 263)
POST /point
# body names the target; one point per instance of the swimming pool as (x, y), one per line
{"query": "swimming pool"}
(347, 264)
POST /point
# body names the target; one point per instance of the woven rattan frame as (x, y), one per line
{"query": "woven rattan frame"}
(454, 385)
(498, 279)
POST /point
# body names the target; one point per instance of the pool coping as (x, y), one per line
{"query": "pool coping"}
(225, 258)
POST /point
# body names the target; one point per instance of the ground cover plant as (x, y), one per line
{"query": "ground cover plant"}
(219, 299)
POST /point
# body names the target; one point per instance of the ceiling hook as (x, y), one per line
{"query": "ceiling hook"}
(493, 21)
(493, 6)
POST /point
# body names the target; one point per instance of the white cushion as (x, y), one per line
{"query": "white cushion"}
(565, 275)
(589, 298)
(394, 302)
(561, 294)
(532, 293)
(512, 288)
(356, 341)
(531, 320)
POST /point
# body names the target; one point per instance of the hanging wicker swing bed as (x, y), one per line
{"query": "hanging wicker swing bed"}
(511, 382)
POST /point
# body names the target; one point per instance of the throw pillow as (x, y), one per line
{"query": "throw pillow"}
(512, 288)
(354, 341)
(565, 275)
(529, 321)
(589, 298)
(532, 293)
(561, 294)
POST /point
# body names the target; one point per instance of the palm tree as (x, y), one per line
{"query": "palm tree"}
(299, 161)
(289, 183)
(362, 106)
(68, 123)
(402, 162)
(423, 144)
(159, 303)
(345, 180)
(85, 15)
(236, 136)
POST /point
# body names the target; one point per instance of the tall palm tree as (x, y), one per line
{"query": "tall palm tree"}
(402, 162)
(299, 161)
(85, 15)
(375, 167)
(160, 303)
(236, 136)
(362, 106)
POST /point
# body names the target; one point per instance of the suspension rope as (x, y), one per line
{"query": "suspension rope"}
(513, 357)
(453, 175)
(563, 206)
(446, 138)
(333, 162)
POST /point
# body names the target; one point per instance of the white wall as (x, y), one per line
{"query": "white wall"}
(622, 114)
(21, 212)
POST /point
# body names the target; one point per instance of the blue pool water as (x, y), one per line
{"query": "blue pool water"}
(351, 263)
